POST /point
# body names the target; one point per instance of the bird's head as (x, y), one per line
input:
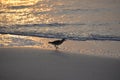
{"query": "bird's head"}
(63, 39)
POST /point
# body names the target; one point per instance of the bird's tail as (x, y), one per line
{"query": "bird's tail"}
(49, 42)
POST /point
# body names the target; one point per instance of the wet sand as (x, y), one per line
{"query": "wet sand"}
(37, 64)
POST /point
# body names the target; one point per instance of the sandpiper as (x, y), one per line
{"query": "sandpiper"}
(56, 43)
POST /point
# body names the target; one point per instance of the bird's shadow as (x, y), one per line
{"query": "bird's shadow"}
(59, 53)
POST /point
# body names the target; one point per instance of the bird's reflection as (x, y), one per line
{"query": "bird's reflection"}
(59, 53)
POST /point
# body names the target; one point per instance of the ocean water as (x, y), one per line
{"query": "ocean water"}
(71, 19)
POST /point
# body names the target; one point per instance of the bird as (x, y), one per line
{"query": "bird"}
(56, 43)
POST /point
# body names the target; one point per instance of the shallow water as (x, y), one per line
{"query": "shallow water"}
(78, 19)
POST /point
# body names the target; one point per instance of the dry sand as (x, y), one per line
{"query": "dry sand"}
(36, 64)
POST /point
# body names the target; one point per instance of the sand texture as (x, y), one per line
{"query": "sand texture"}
(36, 64)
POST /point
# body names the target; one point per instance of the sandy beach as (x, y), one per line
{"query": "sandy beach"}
(89, 30)
(37, 64)
(90, 47)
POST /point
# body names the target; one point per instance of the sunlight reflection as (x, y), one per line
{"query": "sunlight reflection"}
(25, 12)
(19, 2)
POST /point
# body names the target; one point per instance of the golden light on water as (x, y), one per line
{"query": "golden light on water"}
(25, 11)
(19, 2)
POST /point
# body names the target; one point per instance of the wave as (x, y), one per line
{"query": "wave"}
(40, 25)
(60, 35)
(19, 7)
(59, 24)
(36, 30)
(87, 9)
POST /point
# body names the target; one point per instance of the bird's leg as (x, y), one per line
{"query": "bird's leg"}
(56, 46)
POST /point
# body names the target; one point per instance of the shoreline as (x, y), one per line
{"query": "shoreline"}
(95, 48)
